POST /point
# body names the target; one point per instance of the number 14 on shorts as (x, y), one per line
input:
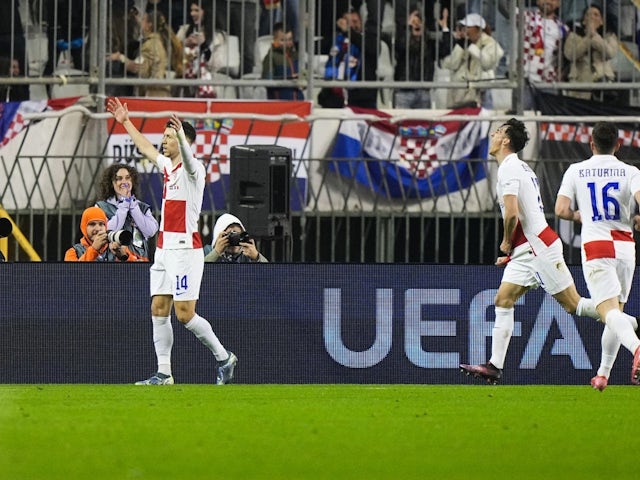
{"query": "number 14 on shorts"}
(182, 284)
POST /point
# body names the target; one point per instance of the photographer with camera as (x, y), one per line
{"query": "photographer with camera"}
(98, 245)
(232, 244)
(118, 189)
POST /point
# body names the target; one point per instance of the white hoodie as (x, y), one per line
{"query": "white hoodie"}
(223, 223)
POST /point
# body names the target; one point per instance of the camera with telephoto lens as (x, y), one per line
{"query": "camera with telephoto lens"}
(123, 237)
(236, 237)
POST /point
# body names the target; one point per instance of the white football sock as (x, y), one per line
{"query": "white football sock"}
(586, 308)
(610, 346)
(621, 324)
(162, 342)
(501, 336)
(632, 320)
(203, 332)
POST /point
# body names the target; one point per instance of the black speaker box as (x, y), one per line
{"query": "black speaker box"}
(260, 177)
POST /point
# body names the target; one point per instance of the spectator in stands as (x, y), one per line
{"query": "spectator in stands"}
(474, 58)
(352, 58)
(119, 187)
(496, 14)
(229, 245)
(239, 19)
(173, 10)
(543, 37)
(94, 246)
(123, 35)
(589, 48)
(427, 9)
(344, 60)
(12, 93)
(152, 62)
(273, 12)
(12, 41)
(281, 63)
(572, 11)
(156, 6)
(68, 33)
(204, 48)
(416, 53)
(172, 45)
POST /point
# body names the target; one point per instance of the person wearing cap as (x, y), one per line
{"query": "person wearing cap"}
(118, 188)
(94, 246)
(245, 251)
(474, 58)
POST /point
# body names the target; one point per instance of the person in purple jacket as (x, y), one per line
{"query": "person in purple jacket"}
(118, 189)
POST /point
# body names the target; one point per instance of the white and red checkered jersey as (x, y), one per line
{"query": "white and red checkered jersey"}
(603, 189)
(542, 39)
(182, 196)
(515, 177)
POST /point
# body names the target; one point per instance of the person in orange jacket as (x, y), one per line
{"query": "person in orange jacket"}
(95, 246)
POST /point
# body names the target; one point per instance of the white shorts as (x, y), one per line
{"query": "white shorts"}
(547, 269)
(608, 278)
(177, 273)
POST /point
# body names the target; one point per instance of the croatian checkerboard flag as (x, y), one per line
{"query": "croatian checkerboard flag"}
(413, 159)
(12, 120)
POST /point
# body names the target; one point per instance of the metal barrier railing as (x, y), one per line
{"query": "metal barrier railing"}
(345, 209)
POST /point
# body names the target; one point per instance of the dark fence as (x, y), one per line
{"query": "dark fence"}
(289, 323)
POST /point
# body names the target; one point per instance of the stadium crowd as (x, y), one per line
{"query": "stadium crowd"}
(396, 43)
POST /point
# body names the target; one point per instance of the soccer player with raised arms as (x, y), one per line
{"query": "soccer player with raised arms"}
(178, 266)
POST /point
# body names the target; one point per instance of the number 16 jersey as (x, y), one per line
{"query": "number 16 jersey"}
(603, 188)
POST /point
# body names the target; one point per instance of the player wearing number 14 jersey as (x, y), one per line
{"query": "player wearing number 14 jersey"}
(606, 192)
(533, 250)
(178, 266)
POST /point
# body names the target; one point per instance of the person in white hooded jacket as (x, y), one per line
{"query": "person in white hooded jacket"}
(474, 58)
(231, 243)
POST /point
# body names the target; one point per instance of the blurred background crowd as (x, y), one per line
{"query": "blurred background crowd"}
(401, 51)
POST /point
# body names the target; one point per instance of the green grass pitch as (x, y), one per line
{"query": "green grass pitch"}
(333, 432)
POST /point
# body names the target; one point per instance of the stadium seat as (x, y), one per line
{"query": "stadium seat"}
(227, 92)
(262, 46)
(624, 63)
(65, 69)
(233, 67)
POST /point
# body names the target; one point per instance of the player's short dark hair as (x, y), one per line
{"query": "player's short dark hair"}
(189, 132)
(517, 134)
(605, 137)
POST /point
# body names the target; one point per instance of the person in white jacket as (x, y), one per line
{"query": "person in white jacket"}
(474, 58)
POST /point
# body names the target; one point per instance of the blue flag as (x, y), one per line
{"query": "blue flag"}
(412, 159)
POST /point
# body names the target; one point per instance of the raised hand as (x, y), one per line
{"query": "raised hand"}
(175, 123)
(119, 111)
